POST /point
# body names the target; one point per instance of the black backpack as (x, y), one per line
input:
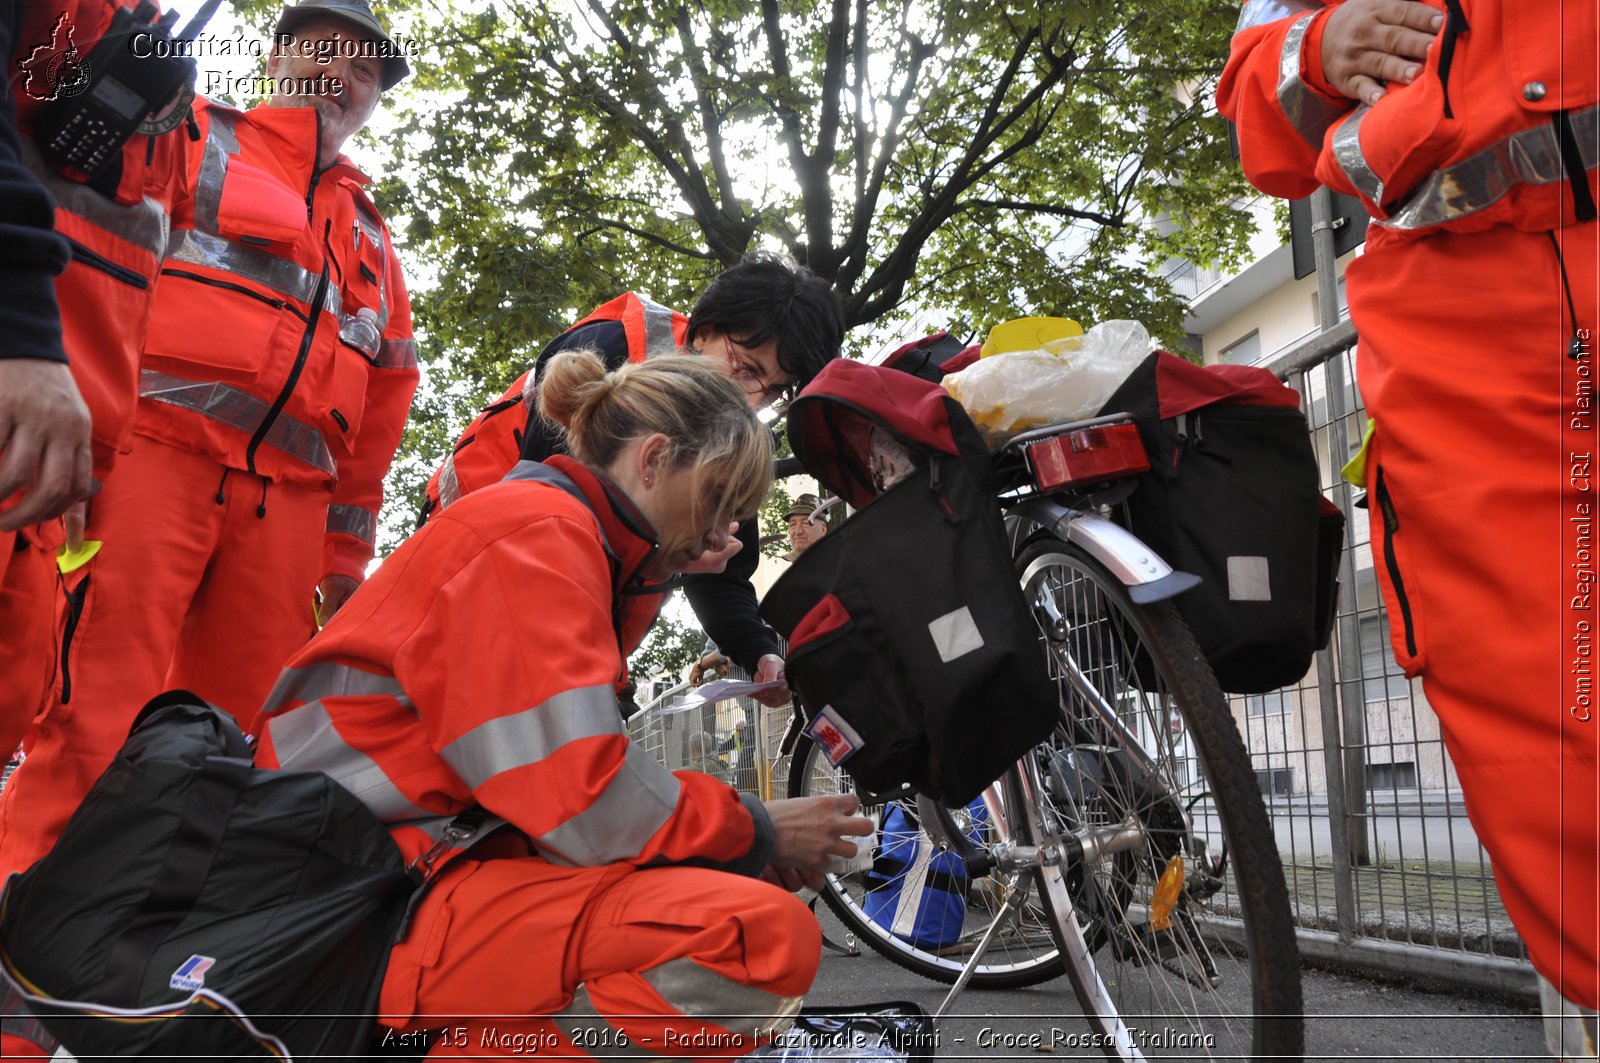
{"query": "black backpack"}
(236, 912)
(1233, 496)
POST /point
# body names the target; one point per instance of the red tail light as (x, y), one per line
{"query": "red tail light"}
(1087, 455)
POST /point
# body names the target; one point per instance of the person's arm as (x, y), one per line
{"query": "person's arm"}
(725, 603)
(1290, 78)
(44, 424)
(392, 377)
(537, 735)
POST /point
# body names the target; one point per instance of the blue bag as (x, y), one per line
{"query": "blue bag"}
(915, 890)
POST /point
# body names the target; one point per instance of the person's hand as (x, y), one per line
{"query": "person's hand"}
(335, 591)
(1369, 42)
(44, 441)
(724, 545)
(711, 662)
(811, 830)
(769, 669)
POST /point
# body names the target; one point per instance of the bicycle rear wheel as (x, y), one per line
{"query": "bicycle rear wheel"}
(938, 943)
(1174, 921)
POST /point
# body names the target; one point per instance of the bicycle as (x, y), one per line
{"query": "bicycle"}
(1131, 850)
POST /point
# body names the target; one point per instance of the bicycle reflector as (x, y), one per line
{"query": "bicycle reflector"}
(1087, 455)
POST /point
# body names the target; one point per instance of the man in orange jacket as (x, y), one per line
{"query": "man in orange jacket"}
(60, 423)
(1470, 130)
(275, 384)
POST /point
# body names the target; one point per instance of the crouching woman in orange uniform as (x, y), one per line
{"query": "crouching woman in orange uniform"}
(622, 911)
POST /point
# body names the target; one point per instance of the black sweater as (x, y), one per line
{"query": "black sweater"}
(31, 253)
(724, 601)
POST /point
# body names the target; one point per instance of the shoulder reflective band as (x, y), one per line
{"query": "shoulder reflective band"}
(658, 337)
(142, 224)
(353, 520)
(1262, 12)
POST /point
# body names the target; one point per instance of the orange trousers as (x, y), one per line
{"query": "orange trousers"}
(27, 604)
(519, 957)
(185, 592)
(1481, 491)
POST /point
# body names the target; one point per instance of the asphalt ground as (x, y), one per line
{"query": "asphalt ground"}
(1347, 1017)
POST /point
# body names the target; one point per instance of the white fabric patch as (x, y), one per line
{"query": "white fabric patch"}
(955, 635)
(1247, 580)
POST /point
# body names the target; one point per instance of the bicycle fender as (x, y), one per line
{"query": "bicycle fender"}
(1147, 577)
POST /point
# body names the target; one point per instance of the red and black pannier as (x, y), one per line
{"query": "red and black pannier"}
(1232, 496)
(909, 640)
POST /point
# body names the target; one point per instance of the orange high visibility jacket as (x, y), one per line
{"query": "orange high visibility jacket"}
(477, 665)
(1497, 127)
(492, 443)
(117, 239)
(280, 337)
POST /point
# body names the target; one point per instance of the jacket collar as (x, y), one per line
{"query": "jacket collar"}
(629, 538)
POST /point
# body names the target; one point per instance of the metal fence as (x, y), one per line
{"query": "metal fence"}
(1383, 866)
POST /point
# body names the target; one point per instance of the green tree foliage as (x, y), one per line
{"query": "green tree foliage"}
(986, 162)
(669, 649)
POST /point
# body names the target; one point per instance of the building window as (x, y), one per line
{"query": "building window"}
(1381, 678)
(1275, 781)
(1272, 703)
(1243, 351)
(1401, 775)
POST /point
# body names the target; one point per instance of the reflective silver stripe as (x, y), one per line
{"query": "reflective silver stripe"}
(1532, 156)
(636, 803)
(584, 1025)
(397, 354)
(304, 739)
(279, 274)
(1261, 12)
(449, 487)
(220, 144)
(695, 991)
(362, 334)
(658, 338)
(353, 520)
(328, 679)
(1347, 153)
(236, 409)
(1310, 114)
(509, 742)
(530, 389)
(143, 224)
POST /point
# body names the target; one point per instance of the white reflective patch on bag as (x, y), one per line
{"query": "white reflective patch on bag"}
(955, 635)
(1248, 580)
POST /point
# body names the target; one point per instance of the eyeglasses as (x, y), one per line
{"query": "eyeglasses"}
(750, 377)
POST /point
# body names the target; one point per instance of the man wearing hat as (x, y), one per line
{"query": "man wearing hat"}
(806, 525)
(276, 378)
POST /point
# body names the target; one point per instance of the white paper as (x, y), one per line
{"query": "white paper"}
(722, 690)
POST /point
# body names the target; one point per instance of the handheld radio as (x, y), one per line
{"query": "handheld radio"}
(127, 91)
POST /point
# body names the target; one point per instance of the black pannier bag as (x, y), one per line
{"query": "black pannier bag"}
(198, 907)
(1232, 496)
(933, 357)
(909, 641)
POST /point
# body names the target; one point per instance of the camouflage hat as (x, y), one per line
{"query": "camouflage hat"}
(804, 506)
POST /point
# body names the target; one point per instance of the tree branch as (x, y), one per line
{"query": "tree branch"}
(644, 234)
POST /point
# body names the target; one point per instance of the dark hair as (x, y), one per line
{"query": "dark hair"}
(768, 296)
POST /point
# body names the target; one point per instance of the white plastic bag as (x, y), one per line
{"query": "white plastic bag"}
(1063, 380)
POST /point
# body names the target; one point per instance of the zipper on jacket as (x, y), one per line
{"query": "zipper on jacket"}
(276, 304)
(94, 260)
(317, 303)
(75, 603)
(1391, 525)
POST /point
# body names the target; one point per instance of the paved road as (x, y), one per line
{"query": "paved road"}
(1347, 1018)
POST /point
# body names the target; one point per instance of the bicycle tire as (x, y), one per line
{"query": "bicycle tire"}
(1024, 954)
(1144, 983)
